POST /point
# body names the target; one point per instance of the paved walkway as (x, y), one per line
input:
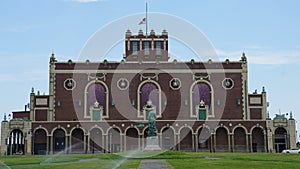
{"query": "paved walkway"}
(4, 166)
(154, 164)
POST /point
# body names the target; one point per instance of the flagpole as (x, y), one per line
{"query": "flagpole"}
(146, 19)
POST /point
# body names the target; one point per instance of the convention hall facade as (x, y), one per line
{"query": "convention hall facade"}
(99, 107)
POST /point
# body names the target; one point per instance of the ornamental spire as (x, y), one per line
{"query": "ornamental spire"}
(244, 58)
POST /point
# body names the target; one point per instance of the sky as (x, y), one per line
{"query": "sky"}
(266, 30)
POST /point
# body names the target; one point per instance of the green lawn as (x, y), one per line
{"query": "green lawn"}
(180, 160)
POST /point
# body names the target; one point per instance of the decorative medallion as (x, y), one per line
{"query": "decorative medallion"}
(175, 83)
(123, 84)
(69, 84)
(228, 83)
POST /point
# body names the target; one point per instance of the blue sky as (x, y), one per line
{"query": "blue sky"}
(268, 32)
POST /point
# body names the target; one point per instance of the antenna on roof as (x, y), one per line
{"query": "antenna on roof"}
(146, 19)
(279, 112)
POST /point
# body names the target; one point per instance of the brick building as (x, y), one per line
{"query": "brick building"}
(99, 106)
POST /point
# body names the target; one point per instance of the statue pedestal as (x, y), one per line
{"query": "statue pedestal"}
(152, 144)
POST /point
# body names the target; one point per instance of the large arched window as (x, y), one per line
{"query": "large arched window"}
(201, 91)
(96, 91)
(149, 90)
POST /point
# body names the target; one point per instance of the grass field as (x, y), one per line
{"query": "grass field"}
(178, 160)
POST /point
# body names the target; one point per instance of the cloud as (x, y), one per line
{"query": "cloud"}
(275, 58)
(254, 47)
(5, 78)
(86, 1)
(35, 75)
(263, 56)
(16, 28)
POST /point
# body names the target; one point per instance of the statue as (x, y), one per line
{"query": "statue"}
(5, 119)
(152, 124)
(201, 111)
(96, 104)
(96, 111)
(148, 108)
(150, 115)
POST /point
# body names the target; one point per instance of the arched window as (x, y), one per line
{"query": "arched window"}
(201, 91)
(149, 91)
(96, 91)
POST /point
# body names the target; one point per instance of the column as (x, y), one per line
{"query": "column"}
(160, 139)
(178, 141)
(265, 142)
(105, 144)
(125, 142)
(51, 144)
(84, 143)
(25, 144)
(88, 143)
(212, 145)
(247, 142)
(143, 141)
(47, 144)
(215, 142)
(121, 142)
(232, 141)
(68, 144)
(251, 147)
(140, 141)
(196, 142)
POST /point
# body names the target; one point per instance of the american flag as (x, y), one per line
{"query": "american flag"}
(143, 21)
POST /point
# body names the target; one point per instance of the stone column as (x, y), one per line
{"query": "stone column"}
(247, 142)
(196, 142)
(84, 142)
(215, 142)
(28, 144)
(265, 142)
(250, 137)
(232, 142)
(160, 139)
(194, 137)
(125, 142)
(25, 146)
(88, 143)
(178, 141)
(121, 142)
(47, 144)
(51, 144)
(68, 137)
(106, 143)
(212, 147)
(139, 142)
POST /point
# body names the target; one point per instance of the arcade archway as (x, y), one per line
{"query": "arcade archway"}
(77, 141)
(40, 142)
(204, 139)
(96, 144)
(132, 139)
(240, 143)
(114, 140)
(186, 139)
(168, 138)
(15, 142)
(280, 139)
(222, 139)
(59, 140)
(258, 144)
